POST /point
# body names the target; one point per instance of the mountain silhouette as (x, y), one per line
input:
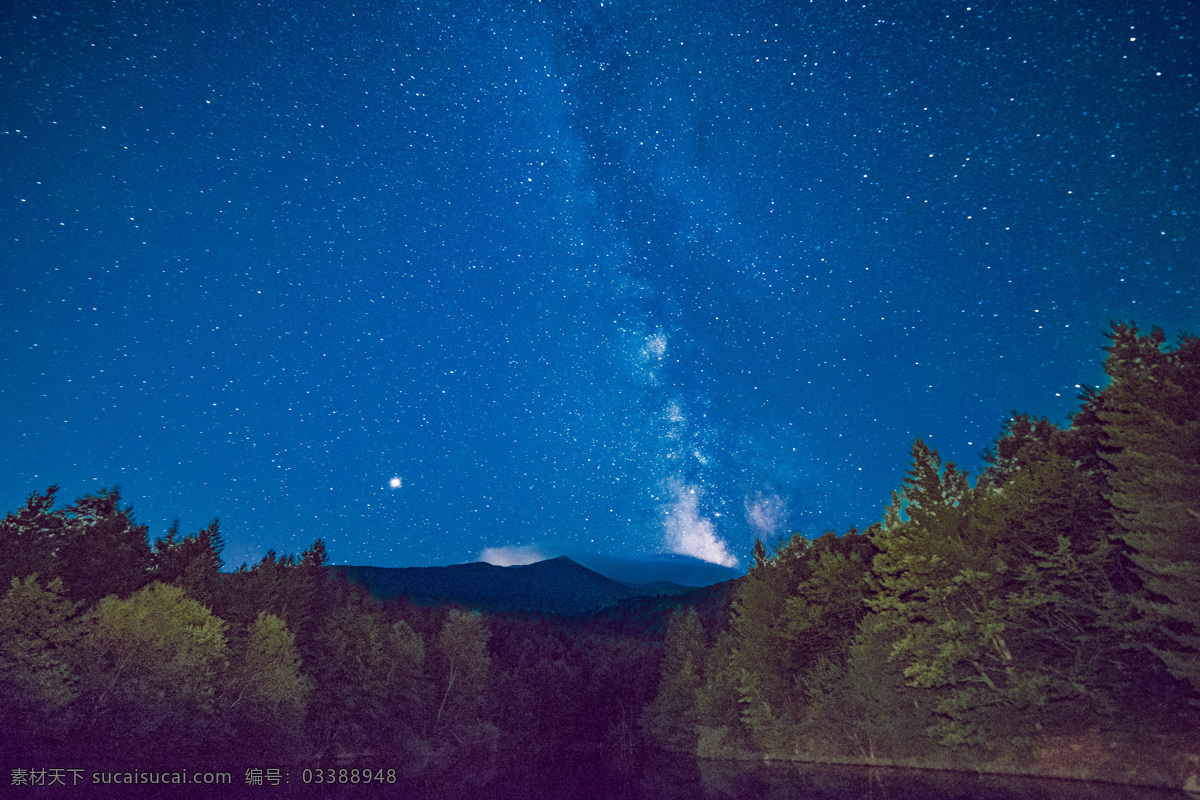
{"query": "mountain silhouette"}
(672, 567)
(557, 586)
(646, 617)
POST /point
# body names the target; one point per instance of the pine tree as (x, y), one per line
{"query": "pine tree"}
(718, 709)
(192, 562)
(351, 661)
(762, 663)
(1150, 419)
(925, 540)
(670, 718)
(104, 551)
(30, 538)
(939, 598)
(822, 613)
(871, 709)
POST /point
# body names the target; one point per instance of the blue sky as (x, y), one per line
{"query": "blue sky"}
(620, 278)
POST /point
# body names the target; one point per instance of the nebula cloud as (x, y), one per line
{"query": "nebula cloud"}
(512, 556)
(688, 533)
(649, 356)
(766, 513)
(655, 347)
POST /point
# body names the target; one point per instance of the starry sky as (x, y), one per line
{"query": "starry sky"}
(621, 278)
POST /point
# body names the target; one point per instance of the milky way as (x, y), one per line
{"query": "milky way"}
(615, 278)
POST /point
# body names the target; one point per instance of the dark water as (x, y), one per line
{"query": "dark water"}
(667, 777)
(656, 776)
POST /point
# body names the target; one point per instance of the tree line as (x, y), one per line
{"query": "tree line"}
(1054, 598)
(115, 649)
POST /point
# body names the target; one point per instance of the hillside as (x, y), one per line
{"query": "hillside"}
(557, 586)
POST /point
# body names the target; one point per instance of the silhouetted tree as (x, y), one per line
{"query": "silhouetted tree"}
(30, 538)
(103, 551)
(192, 562)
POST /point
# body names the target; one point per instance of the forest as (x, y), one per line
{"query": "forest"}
(1042, 617)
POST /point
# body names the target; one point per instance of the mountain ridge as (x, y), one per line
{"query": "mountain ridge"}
(560, 586)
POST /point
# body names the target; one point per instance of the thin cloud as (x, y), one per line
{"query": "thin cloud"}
(512, 556)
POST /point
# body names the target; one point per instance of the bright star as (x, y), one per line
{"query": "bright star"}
(394, 483)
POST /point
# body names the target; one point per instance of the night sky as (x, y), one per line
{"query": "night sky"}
(621, 278)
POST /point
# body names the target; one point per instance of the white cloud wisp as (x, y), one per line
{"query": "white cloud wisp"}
(512, 556)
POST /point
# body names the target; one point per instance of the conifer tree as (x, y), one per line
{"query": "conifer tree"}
(192, 562)
(823, 612)
(718, 709)
(934, 575)
(1150, 419)
(30, 537)
(870, 708)
(762, 664)
(104, 550)
(352, 661)
(670, 718)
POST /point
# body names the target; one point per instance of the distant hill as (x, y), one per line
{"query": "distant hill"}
(646, 617)
(671, 567)
(558, 586)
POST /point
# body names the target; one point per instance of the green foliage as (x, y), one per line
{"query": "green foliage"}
(29, 537)
(153, 662)
(535, 691)
(461, 733)
(792, 624)
(1150, 423)
(556, 690)
(94, 545)
(822, 621)
(866, 707)
(761, 662)
(38, 684)
(995, 595)
(315, 556)
(104, 551)
(462, 663)
(670, 718)
(717, 699)
(1057, 596)
(367, 674)
(293, 589)
(266, 693)
(822, 614)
